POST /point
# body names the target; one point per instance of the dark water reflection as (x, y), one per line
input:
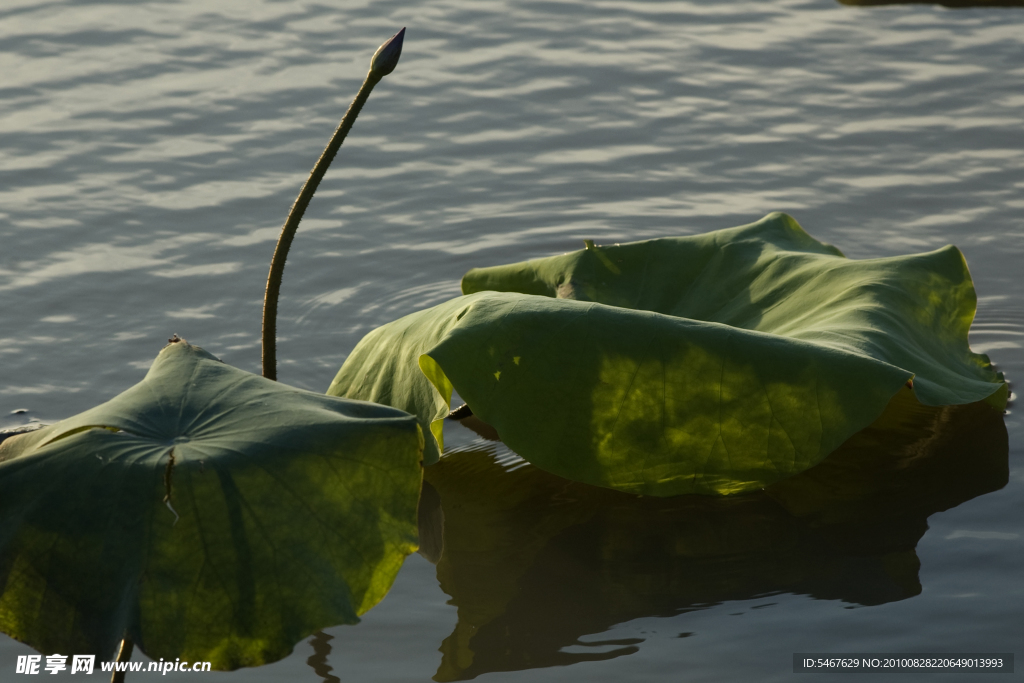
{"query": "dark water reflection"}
(535, 563)
(321, 643)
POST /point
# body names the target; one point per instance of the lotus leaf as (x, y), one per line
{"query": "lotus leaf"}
(715, 363)
(206, 513)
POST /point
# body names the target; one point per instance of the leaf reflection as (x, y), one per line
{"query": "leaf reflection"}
(535, 562)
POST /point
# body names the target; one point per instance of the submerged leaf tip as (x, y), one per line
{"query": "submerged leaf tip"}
(385, 59)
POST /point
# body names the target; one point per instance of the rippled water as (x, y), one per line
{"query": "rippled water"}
(149, 153)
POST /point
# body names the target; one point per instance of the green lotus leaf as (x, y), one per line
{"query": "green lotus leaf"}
(206, 513)
(717, 363)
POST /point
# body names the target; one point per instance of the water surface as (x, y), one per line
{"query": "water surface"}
(149, 153)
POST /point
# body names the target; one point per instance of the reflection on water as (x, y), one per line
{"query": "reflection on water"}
(535, 562)
(321, 643)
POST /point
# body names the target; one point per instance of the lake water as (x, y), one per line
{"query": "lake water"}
(150, 151)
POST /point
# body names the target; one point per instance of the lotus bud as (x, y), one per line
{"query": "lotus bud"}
(385, 59)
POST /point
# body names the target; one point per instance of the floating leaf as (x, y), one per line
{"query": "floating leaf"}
(206, 513)
(717, 363)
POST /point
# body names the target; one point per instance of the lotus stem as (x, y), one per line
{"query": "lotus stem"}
(383, 62)
(460, 413)
(123, 655)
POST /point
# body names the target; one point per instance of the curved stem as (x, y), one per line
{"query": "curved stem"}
(284, 242)
(123, 655)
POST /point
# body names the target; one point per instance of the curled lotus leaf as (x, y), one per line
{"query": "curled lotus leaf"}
(207, 514)
(716, 363)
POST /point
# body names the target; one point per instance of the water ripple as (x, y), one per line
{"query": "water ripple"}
(150, 151)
